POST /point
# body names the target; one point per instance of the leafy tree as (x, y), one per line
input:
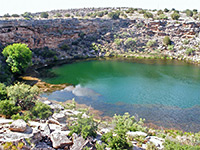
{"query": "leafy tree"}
(163, 16)
(23, 95)
(41, 110)
(18, 57)
(114, 15)
(8, 108)
(6, 15)
(44, 15)
(85, 126)
(3, 92)
(27, 15)
(195, 11)
(166, 41)
(67, 15)
(151, 43)
(130, 10)
(58, 15)
(100, 14)
(175, 16)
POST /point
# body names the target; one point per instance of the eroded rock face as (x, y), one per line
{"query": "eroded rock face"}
(60, 139)
(18, 126)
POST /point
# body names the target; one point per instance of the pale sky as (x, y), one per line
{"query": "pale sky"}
(21, 6)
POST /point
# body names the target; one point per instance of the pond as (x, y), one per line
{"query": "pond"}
(165, 93)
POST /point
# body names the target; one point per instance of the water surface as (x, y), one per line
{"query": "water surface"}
(166, 93)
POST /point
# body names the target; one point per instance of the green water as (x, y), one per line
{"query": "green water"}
(124, 85)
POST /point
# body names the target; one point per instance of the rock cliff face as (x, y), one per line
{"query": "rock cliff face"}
(67, 38)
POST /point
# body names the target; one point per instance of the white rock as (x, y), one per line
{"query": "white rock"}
(18, 125)
(136, 133)
(158, 142)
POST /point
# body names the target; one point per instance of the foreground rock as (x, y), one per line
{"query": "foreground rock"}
(18, 126)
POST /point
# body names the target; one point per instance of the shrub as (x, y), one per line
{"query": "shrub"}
(151, 43)
(67, 15)
(163, 17)
(58, 15)
(41, 110)
(189, 13)
(44, 15)
(159, 12)
(27, 15)
(172, 145)
(100, 14)
(148, 15)
(117, 139)
(64, 47)
(170, 47)
(189, 51)
(6, 15)
(142, 11)
(175, 16)
(166, 41)
(8, 108)
(166, 10)
(129, 43)
(26, 116)
(15, 15)
(130, 10)
(117, 42)
(195, 11)
(18, 57)
(114, 15)
(3, 92)
(23, 95)
(85, 126)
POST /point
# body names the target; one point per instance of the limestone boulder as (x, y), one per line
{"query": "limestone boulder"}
(18, 126)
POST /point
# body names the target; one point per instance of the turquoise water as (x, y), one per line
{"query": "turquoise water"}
(165, 89)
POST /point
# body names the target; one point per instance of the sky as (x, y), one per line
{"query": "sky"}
(21, 6)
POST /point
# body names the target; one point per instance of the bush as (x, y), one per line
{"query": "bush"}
(175, 16)
(171, 145)
(117, 139)
(130, 43)
(142, 11)
(64, 47)
(151, 43)
(159, 12)
(15, 15)
(189, 13)
(58, 15)
(3, 91)
(189, 51)
(130, 10)
(23, 95)
(67, 15)
(18, 57)
(44, 15)
(163, 17)
(148, 15)
(166, 41)
(26, 116)
(100, 14)
(195, 11)
(114, 15)
(8, 108)
(41, 110)
(170, 47)
(27, 15)
(166, 10)
(6, 15)
(85, 126)
(117, 42)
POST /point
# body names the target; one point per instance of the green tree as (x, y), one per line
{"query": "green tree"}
(166, 10)
(18, 57)
(159, 12)
(130, 43)
(23, 95)
(44, 15)
(189, 13)
(175, 16)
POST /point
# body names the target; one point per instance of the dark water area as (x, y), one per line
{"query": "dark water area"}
(165, 93)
